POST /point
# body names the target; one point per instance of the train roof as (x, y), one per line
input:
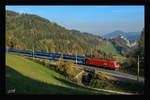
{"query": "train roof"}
(112, 60)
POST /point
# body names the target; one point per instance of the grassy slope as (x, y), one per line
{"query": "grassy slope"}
(120, 59)
(110, 48)
(27, 77)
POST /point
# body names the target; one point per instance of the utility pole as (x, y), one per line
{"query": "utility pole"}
(76, 57)
(91, 52)
(138, 68)
(33, 52)
(47, 49)
(62, 56)
(7, 49)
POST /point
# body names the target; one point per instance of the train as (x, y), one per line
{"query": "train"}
(112, 64)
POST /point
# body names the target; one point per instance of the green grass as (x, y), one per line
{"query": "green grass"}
(129, 87)
(110, 49)
(120, 59)
(28, 77)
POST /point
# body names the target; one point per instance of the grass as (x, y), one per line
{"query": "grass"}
(100, 81)
(129, 87)
(110, 48)
(120, 59)
(28, 77)
(137, 88)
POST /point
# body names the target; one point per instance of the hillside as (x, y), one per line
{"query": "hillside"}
(89, 38)
(96, 41)
(27, 31)
(111, 49)
(123, 46)
(28, 77)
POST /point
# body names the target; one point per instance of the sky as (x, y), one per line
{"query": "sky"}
(92, 19)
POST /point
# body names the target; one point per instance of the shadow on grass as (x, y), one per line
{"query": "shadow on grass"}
(69, 83)
(130, 87)
(82, 87)
(25, 85)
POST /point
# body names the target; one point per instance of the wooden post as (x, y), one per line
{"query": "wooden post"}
(138, 68)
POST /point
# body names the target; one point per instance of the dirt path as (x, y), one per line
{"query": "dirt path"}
(79, 74)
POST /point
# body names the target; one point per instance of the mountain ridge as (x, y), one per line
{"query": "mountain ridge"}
(131, 36)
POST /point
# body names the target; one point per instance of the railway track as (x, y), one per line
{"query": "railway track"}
(121, 76)
(117, 75)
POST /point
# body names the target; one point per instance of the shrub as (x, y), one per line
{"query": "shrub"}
(59, 64)
(68, 69)
(99, 81)
(75, 70)
(46, 63)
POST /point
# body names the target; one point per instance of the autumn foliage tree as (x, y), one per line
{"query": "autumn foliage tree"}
(66, 68)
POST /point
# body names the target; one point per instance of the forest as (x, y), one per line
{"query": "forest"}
(28, 32)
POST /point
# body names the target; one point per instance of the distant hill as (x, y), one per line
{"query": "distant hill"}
(131, 36)
(123, 45)
(113, 34)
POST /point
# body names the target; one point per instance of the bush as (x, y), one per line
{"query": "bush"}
(46, 63)
(99, 81)
(68, 69)
(75, 70)
(59, 64)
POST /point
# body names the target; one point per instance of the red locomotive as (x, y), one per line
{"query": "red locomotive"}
(104, 63)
